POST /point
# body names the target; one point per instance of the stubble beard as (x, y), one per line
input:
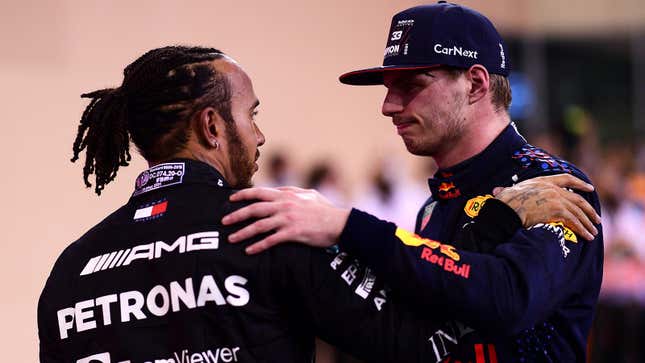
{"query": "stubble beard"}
(451, 132)
(243, 167)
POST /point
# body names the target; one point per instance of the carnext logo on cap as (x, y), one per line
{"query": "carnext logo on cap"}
(440, 49)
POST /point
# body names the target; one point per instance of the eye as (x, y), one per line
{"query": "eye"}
(254, 113)
(410, 88)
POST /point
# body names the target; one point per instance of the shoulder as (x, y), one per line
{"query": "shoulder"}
(533, 161)
(61, 272)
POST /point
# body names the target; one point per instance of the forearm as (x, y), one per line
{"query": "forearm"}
(348, 306)
(504, 291)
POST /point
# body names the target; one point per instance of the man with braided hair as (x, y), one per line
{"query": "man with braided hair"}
(157, 122)
(154, 281)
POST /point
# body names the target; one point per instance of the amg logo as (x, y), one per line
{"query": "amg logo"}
(438, 48)
(150, 251)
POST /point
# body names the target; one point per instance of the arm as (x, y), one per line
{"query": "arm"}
(298, 215)
(503, 292)
(349, 307)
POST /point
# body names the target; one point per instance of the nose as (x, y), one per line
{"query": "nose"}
(392, 104)
(259, 135)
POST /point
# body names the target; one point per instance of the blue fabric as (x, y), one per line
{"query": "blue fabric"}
(523, 296)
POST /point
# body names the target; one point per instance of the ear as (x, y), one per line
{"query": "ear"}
(208, 127)
(479, 81)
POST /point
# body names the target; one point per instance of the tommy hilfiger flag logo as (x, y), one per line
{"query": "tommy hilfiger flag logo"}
(151, 211)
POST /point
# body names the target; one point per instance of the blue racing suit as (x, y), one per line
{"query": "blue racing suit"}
(506, 294)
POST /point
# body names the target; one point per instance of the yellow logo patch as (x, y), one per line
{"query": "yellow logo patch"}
(413, 240)
(474, 205)
(568, 234)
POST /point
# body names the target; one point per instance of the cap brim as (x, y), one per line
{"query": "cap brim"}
(374, 76)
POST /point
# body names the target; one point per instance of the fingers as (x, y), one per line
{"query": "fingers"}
(255, 210)
(582, 203)
(266, 194)
(579, 222)
(266, 243)
(567, 181)
(255, 228)
(291, 189)
(497, 190)
(570, 220)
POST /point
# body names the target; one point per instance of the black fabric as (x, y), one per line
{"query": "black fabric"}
(156, 281)
(496, 222)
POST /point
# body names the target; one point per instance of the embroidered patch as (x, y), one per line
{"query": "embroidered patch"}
(448, 190)
(151, 211)
(160, 176)
(562, 233)
(427, 213)
(474, 205)
(413, 240)
(434, 252)
(568, 234)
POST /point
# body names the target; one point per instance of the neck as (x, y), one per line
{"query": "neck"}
(478, 134)
(191, 154)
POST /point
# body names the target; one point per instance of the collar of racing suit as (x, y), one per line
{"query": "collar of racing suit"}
(178, 172)
(466, 177)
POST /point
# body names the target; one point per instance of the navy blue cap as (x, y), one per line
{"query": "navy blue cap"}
(429, 36)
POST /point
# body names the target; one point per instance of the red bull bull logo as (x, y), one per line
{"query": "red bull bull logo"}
(446, 187)
(413, 240)
(448, 190)
(446, 258)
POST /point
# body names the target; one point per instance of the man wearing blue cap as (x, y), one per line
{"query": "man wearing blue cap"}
(510, 295)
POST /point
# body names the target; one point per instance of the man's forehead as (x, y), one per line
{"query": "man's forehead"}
(237, 77)
(227, 66)
(241, 86)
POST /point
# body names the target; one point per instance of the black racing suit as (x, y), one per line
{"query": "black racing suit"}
(506, 294)
(156, 281)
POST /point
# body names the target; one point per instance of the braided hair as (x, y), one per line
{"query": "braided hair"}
(161, 91)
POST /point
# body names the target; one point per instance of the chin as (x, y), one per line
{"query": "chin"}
(419, 150)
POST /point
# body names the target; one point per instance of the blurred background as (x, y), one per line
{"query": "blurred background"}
(578, 91)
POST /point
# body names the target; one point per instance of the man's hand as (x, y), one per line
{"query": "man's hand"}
(301, 215)
(550, 199)
(294, 214)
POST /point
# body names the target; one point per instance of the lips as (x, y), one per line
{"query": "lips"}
(402, 126)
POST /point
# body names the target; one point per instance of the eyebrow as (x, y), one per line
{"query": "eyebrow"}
(429, 74)
(412, 80)
(255, 105)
